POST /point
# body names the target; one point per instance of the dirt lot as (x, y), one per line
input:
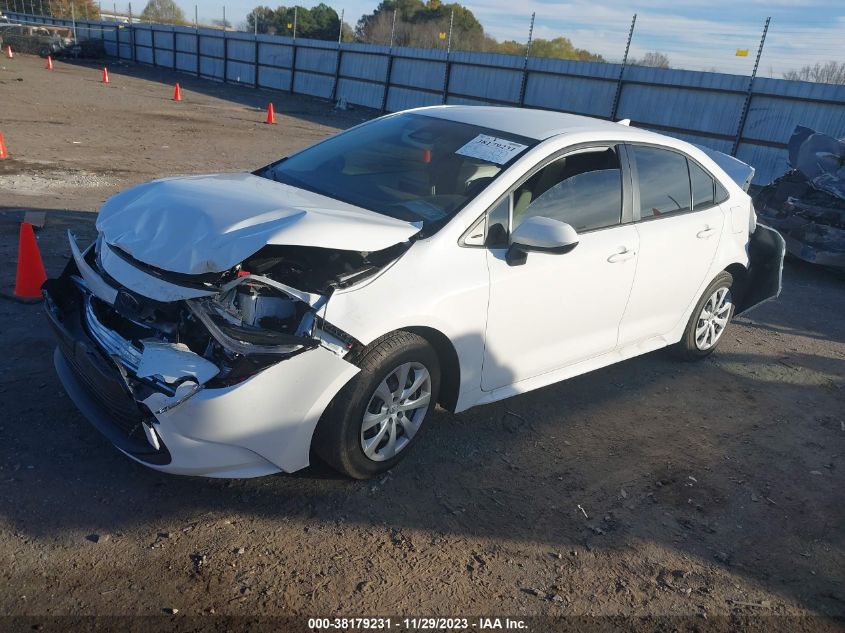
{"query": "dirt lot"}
(652, 488)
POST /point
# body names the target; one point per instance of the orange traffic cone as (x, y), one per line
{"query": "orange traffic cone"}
(105, 75)
(30, 273)
(49, 65)
(177, 93)
(271, 114)
(9, 53)
(3, 152)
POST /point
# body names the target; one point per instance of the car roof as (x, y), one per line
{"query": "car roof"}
(536, 124)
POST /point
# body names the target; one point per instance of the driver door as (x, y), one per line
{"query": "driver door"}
(555, 310)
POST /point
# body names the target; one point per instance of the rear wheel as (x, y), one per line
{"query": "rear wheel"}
(378, 416)
(709, 319)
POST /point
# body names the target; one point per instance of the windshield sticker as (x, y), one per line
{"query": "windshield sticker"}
(491, 149)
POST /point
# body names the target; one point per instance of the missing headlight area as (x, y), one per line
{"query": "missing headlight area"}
(210, 333)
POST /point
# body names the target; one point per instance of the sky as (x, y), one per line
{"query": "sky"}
(695, 34)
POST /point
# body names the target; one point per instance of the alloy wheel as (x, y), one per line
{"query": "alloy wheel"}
(395, 411)
(713, 319)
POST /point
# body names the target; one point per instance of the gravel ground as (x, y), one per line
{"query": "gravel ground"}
(651, 488)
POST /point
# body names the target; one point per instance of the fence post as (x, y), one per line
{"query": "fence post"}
(132, 56)
(292, 66)
(197, 30)
(73, 21)
(618, 94)
(448, 70)
(225, 57)
(153, 40)
(338, 59)
(524, 83)
(389, 66)
(746, 106)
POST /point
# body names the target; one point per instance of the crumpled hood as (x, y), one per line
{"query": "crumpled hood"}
(202, 224)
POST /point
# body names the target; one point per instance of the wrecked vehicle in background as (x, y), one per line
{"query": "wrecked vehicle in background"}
(38, 40)
(226, 325)
(807, 204)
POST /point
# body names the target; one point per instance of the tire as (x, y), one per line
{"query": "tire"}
(340, 437)
(688, 348)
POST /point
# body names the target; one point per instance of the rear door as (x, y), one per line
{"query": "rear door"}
(679, 224)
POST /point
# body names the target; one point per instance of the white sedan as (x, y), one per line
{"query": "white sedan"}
(228, 325)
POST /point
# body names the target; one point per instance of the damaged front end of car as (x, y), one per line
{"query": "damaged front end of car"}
(137, 345)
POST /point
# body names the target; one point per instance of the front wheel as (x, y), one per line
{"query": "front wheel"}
(379, 414)
(709, 319)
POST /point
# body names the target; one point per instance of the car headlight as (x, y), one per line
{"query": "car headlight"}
(240, 337)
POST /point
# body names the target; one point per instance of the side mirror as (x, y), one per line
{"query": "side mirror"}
(545, 235)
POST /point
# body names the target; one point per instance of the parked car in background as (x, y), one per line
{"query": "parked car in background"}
(39, 40)
(226, 325)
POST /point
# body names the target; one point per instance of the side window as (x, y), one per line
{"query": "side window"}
(584, 190)
(663, 182)
(497, 224)
(721, 193)
(703, 187)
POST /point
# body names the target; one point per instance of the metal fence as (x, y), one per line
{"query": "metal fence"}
(752, 119)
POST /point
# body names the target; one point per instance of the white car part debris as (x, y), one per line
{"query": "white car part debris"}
(143, 283)
(93, 281)
(184, 391)
(173, 362)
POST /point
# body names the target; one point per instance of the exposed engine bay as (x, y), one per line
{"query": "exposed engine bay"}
(228, 327)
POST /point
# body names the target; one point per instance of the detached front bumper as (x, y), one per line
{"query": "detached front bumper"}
(258, 427)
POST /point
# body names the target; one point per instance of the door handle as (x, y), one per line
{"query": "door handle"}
(705, 233)
(621, 256)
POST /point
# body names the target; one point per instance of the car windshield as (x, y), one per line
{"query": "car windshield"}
(407, 166)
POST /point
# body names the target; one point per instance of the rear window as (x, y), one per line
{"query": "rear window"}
(703, 187)
(407, 166)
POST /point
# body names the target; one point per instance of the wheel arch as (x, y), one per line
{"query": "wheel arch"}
(740, 280)
(450, 369)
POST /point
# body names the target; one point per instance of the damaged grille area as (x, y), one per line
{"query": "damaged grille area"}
(100, 391)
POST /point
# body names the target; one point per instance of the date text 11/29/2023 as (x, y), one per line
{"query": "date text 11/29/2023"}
(420, 624)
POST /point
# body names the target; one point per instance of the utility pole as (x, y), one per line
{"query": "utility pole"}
(294, 23)
(618, 93)
(393, 29)
(746, 106)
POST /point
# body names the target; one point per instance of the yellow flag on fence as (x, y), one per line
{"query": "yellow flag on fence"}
(742, 52)
(442, 35)
(290, 26)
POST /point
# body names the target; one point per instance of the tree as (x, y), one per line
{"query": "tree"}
(82, 9)
(653, 59)
(320, 22)
(163, 11)
(420, 24)
(830, 73)
(559, 48)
